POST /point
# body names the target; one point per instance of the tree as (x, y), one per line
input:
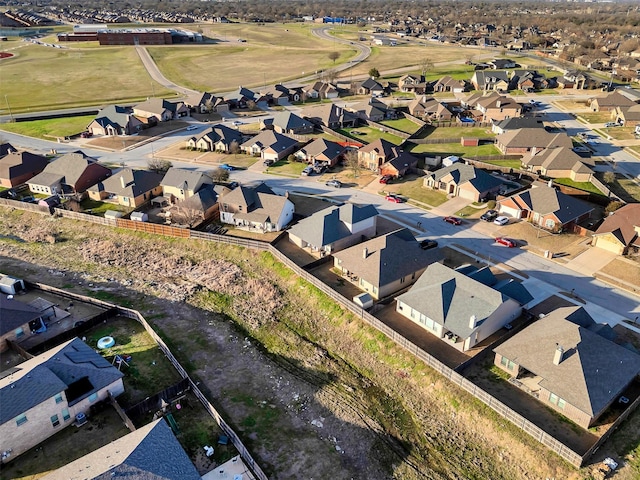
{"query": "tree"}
(425, 66)
(218, 175)
(609, 177)
(352, 161)
(613, 206)
(251, 105)
(209, 105)
(374, 73)
(334, 56)
(234, 148)
(158, 165)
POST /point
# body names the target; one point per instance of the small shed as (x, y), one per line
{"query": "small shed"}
(450, 160)
(469, 142)
(139, 217)
(364, 300)
(112, 214)
(10, 285)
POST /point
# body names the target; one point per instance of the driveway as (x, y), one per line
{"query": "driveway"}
(590, 261)
(450, 206)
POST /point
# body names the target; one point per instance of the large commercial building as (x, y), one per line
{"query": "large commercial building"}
(130, 36)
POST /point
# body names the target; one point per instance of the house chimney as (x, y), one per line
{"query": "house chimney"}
(534, 150)
(122, 182)
(472, 321)
(498, 103)
(558, 354)
(365, 252)
(550, 183)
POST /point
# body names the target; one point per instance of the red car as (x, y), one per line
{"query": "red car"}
(393, 198)
(453, 220)
(507, 242)
(386, 179)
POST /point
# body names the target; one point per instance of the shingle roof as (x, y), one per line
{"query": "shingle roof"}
(151, 452)
(546, 200)
(136, 182)
(321, 146)
(13, 165)
(463, 173)
(70, 166)
(201, 201)
(115, 115)
(289, 121)
(450, 298)
(533, 137)
(622, 223)
(221, 132)
(177, 177)
(14, 314)
(594, 370)
(270, 139)
(52, 372)
(389, 257)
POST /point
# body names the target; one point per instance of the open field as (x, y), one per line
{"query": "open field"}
(50, 128)
(412, 187)
(42, 78)
(445, 149)
(369, 134)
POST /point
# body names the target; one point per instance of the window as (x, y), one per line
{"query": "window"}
(507, 363)
(504, 361)
(22, 419)
(553, 398)
(19, 332)
(375, 290)
(54, 420)
(402, 280)
(65, 414)
(93, 397)
(58, 398)
(561, 403)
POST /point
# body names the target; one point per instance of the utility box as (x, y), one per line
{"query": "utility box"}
(364, 300)
(112, 214)
(139, 217)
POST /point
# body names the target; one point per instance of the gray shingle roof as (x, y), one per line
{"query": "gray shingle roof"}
(594, 370)
(450, 298)
(533, 137)
(50, 373)
(545, 200)
(290, 121)
(463, 173)
(136, 182)
(322, 146)
(70, 167)
(151, 452)
(14, 314)
(389, 257)
(270, 139)
(177, 177)
(114, 115)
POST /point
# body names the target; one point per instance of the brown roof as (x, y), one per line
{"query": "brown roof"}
(622, 224)
(533, 137)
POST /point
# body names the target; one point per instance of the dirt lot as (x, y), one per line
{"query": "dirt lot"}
(120, 142)
(275, 355)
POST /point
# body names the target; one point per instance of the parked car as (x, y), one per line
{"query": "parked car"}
(28, 199)
(268, 162)
(192, 127)
(334, 183)
(307, 171)
(236, 123)
(453, 220)
(226, 166)
(428, 244)
(393, 198)
(502, 220)
(386, 179)
(507, 242)
(533, 102)
(489, 216)
(86, 134)
(612, 124)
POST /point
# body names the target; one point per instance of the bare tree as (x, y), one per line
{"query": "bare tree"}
(425, 65)
(334, 56)
(218, 175)
(209, 105)
(352, 161)
(609, 177)
(158, 165)
(234, 147)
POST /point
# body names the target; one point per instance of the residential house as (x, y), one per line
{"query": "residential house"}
(205, 103)
(448, 84)
(256, 209)
(330, 115)
(244, 98)
(490, 80)
(18, 168)
(70, 173)
(567, 365)
(524, 140)
(462, 180)
(399, 165)
(373, 155)
(502, 63)
(270, 145)
(561, 162)
(496, 107)
(216, 139)
(179, 184)
(42, 395)
(610, 102)
(456, 308)
(628, 116)
(6, 148)
(369, 87)
(377, 267)
(17, 321)
(288, 123)
(128, 187)
(335, 228)
(323, 90)
(428, 108)
(160, 110)
(576, 80)
(150, 452)
(373, 110)
(547, 207)
(324, 152)
(412, 84)
(620, 231)
(195, 209)
(526, 80)
(115, 120)
(515, 123)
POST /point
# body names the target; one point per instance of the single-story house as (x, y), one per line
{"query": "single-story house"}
(561, 162)
(335, 228)
(330, 115)
(384, 265)
(515, 123)
(369, 87)
(256, 209)
(270, 145)
(322, 151)
(610, 102)
(71, 173)
(428, 108)
(564, 362)
(320, 90)
(18, 168)
(160, 109)
(42, 395)
(288, 123)
(128, 187)
(218, 139)
(524, 140)
(619, 231)
(448, 84)
(628, 116)
(205, 103)
(456, 308)
(545, 206)
(115, 120)
(462, 180)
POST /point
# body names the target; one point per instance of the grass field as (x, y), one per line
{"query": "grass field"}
(445, 149)
(587, 186)
(456, 132)
(506, 163)
(368, 134)
(46, 129)
(42, 78)
(596, 117)
(402, 124)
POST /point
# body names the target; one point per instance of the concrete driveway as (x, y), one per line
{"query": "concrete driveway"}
(590, 261)
(450, 206)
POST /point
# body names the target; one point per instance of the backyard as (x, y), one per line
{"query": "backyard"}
(50, 129)
(369, 134)
(402, 124)
(446, 149)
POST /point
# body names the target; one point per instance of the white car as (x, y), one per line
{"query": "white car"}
(236, 123)
(501, 220)
(192, 127)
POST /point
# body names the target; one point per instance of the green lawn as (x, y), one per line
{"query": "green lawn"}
(586, 186)
(402, 124)
(515, 164)
(457, 132)
(98, 208)
(446, 149)
(53, 127)
(621, 133)
(370, 134)
(41, 78)
(284, 167)
(596, 117)
(411, 187)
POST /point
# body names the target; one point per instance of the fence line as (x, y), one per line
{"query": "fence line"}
(385, 128)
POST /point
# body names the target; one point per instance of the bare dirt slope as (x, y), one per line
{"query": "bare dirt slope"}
(312, 391)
